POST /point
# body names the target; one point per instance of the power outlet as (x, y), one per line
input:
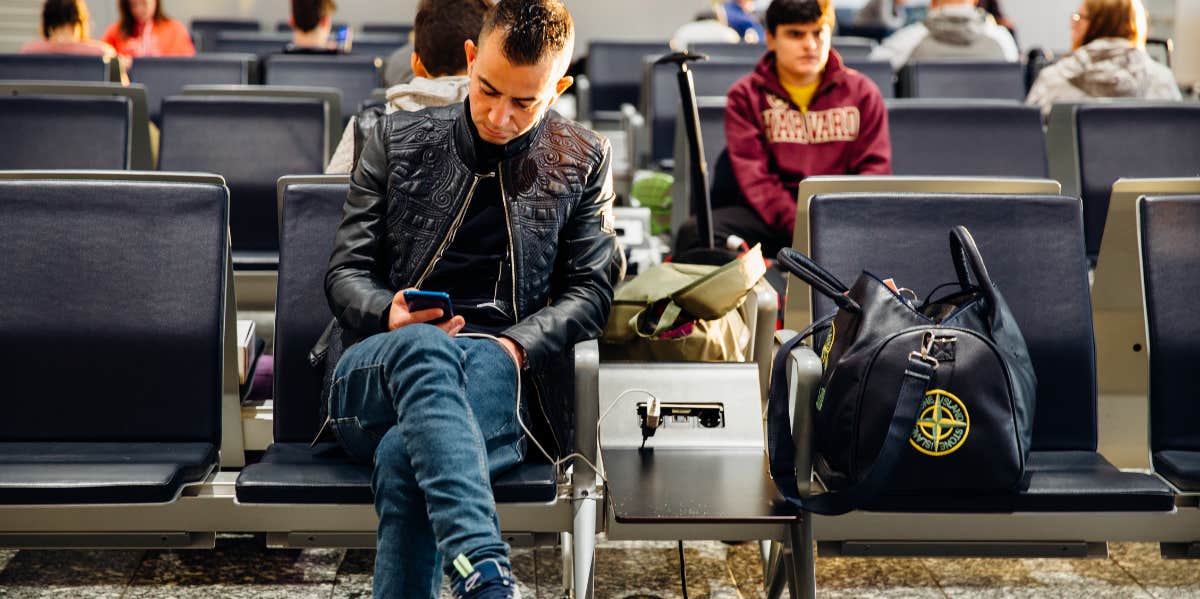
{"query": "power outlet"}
(687, 415)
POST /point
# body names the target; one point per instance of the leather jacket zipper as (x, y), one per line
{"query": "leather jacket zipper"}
(512, 254)
(458, 219)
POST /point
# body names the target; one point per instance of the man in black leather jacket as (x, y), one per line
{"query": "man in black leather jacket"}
(508, 208)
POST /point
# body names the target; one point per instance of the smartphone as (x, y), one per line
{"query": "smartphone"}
(423, 300)
(344, 37)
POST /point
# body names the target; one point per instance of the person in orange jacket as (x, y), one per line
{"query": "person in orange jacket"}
(143, 30)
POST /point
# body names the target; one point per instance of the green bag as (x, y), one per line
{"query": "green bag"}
(684, 312)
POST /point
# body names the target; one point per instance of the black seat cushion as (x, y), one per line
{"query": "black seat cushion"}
(1066, 481)
(65, 473)
(1181, 468)
(297, 473)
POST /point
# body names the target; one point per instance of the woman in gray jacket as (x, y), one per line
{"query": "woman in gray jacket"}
(1109, 59)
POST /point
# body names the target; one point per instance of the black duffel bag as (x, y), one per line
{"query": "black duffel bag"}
(915, 398)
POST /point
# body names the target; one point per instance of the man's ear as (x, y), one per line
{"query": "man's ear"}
(471, 51)
(418, 67)
(563, 84)
(770, 42)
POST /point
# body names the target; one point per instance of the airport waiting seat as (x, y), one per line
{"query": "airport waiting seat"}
(251, 142)
(879, 71)
(207, 30)
(114, 340)
(717, 50)
(141, 157)
(854, 47)
(378, 45)
(258, 43)
(355, 76)
(966, 138)
(283, 26)
(614, 76)
(952, 78)
(291, 471)
(166, 75)
(1033, 246)
(58, 67)
(396, 29)
(1126, 140)
(660, 104)
(65, 132)
(1171, 275)
(684, 203)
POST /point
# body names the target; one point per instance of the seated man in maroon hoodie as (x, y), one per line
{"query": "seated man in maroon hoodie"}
(800, 113)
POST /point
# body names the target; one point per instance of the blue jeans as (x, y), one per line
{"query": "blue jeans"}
(437, 417)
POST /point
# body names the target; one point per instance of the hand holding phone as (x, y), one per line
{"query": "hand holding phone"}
(437, 311)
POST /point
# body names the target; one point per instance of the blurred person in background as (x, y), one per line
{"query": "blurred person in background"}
(143, 30)
(801, 113)
(952, 29)
(312, 25)
(66, 30)
(439, 62)
(1108, 59)
(884, 14)
(739, 15)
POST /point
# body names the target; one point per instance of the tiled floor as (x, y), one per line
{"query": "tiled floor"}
(240, 567)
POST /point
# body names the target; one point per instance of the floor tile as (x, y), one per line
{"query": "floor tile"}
(238, 567)
(67, 573)
(1159, 577)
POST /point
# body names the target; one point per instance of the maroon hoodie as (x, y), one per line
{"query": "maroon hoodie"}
(773, 146)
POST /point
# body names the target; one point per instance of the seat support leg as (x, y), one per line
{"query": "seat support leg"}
(583, 547)
(802, 580)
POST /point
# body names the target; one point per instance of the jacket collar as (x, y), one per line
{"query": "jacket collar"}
(767, 77)
(481, 156)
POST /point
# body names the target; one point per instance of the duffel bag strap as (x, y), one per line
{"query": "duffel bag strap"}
(820, 279)
(781, 447)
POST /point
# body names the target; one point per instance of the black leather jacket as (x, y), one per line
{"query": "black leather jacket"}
(414, 175)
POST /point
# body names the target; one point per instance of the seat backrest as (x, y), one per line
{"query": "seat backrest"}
(614, 71)
(379, 45)
(1171, 275)
(711, 78)
(166, 75)
(854, 47)
(879, 71)
(397, 29)
(1131, 141)
(65, 132)
(966, 138)
(251, 142)
(310, 211)
(206, 30)
(355, 76)
(963, 79)
(108, 335)
(1033, 248)
(55, 67)
(730, 51)
(284, 26)
(258, 43)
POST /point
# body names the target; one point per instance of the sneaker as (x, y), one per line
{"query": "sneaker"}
(486, 580)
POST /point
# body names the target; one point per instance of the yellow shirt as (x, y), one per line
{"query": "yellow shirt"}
(802, 94)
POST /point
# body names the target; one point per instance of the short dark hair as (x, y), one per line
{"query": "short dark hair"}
(58, 13)
(439, 31)
(307, 14)
(129, 24)
(804, 12)
(534, 29)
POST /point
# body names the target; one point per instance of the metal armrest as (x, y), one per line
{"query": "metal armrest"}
(804, 377)
(634, 126)
(583, 100)
(587, 408)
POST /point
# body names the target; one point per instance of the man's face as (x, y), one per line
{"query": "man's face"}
(801, 50)
(508, 100)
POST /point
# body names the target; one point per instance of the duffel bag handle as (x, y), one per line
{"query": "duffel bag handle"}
(968, 261)
(820, 279)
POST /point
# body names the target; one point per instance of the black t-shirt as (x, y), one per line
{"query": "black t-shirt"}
(476, 268)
